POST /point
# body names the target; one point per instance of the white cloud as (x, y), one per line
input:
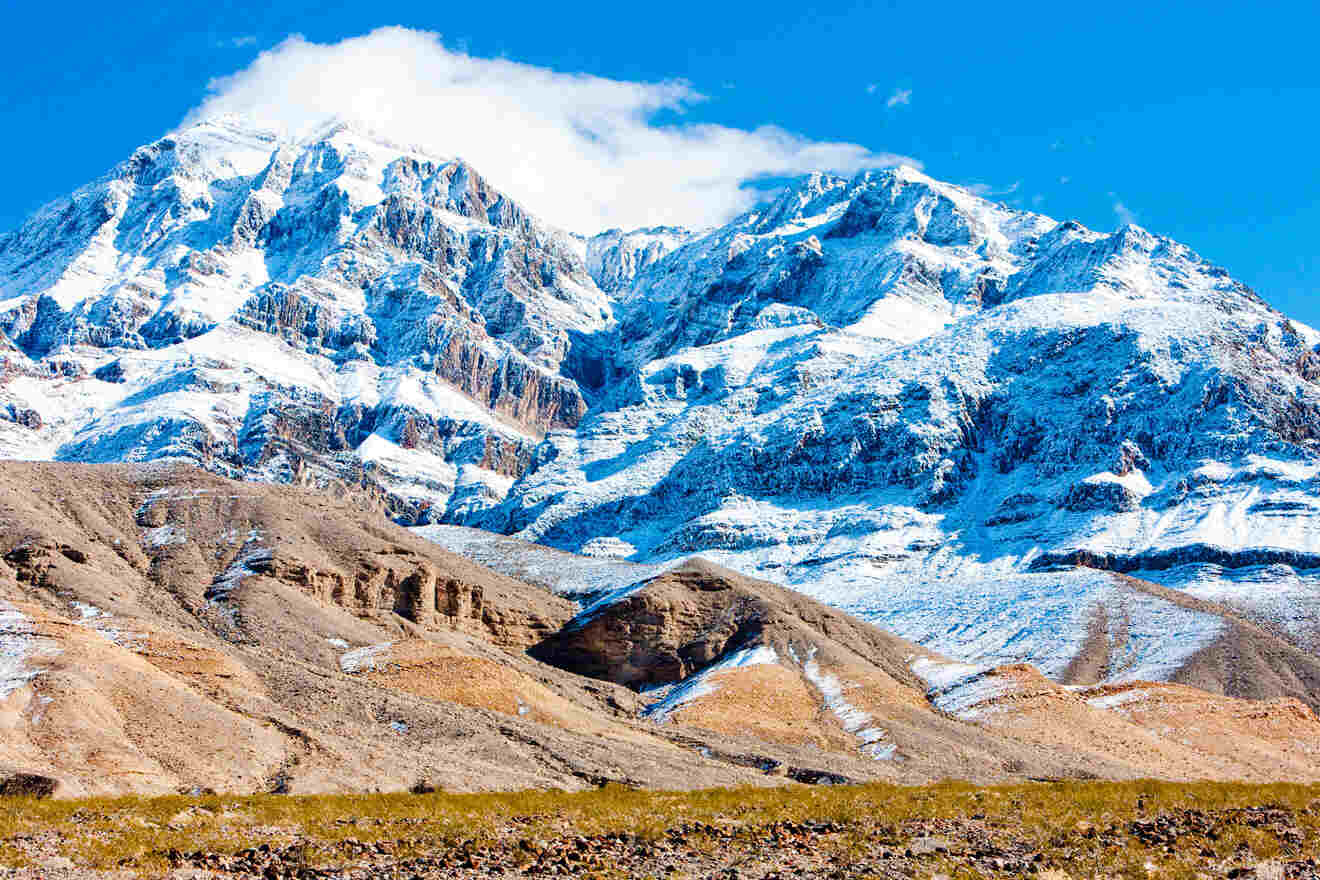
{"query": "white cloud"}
(583, 151)
(240, 42)
(899, 97)
(1123, 213)
(986, 191)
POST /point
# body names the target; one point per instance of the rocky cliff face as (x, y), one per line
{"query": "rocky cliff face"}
(331, 309)
(883, 391)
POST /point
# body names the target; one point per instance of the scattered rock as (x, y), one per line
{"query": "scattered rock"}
(31, 785)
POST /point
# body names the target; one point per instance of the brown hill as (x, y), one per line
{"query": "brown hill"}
(166, 629)
(808, 675)
(163, 629)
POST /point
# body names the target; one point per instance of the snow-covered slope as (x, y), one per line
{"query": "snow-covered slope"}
(925, 408)
(615, 258)
(336, 308)
(886, 392)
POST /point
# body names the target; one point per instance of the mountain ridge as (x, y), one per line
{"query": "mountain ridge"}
(883, 391)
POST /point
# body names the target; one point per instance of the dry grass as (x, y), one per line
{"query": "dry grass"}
(108, 832)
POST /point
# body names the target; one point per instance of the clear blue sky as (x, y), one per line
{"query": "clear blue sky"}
(1200, 119)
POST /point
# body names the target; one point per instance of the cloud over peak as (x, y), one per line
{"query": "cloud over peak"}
(585, 152)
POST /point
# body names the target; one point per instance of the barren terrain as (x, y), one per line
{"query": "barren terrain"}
(1047, 830)
(168, 631)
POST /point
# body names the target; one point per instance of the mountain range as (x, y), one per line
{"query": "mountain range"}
(1040, 456)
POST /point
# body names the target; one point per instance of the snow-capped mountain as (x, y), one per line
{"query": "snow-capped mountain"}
(943, 414)
(337, 308)
(928, 408)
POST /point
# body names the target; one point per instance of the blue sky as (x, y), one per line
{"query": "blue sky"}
(1198, 121)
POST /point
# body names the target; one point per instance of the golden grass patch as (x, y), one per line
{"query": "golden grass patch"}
(105, 832)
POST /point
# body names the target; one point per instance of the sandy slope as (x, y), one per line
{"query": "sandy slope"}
(163, 629)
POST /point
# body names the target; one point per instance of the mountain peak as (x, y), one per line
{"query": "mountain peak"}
(227, 131)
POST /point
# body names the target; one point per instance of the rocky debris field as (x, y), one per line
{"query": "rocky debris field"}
(1045, 830)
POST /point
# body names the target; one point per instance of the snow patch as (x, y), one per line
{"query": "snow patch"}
(1134, 481)
(247, 564)
(854, 720)
(19, 644)
(701, 684)
(86, 611)
(1122, 698)
(960, 689)
(363, 659)
(101, 622)
(163, 536)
